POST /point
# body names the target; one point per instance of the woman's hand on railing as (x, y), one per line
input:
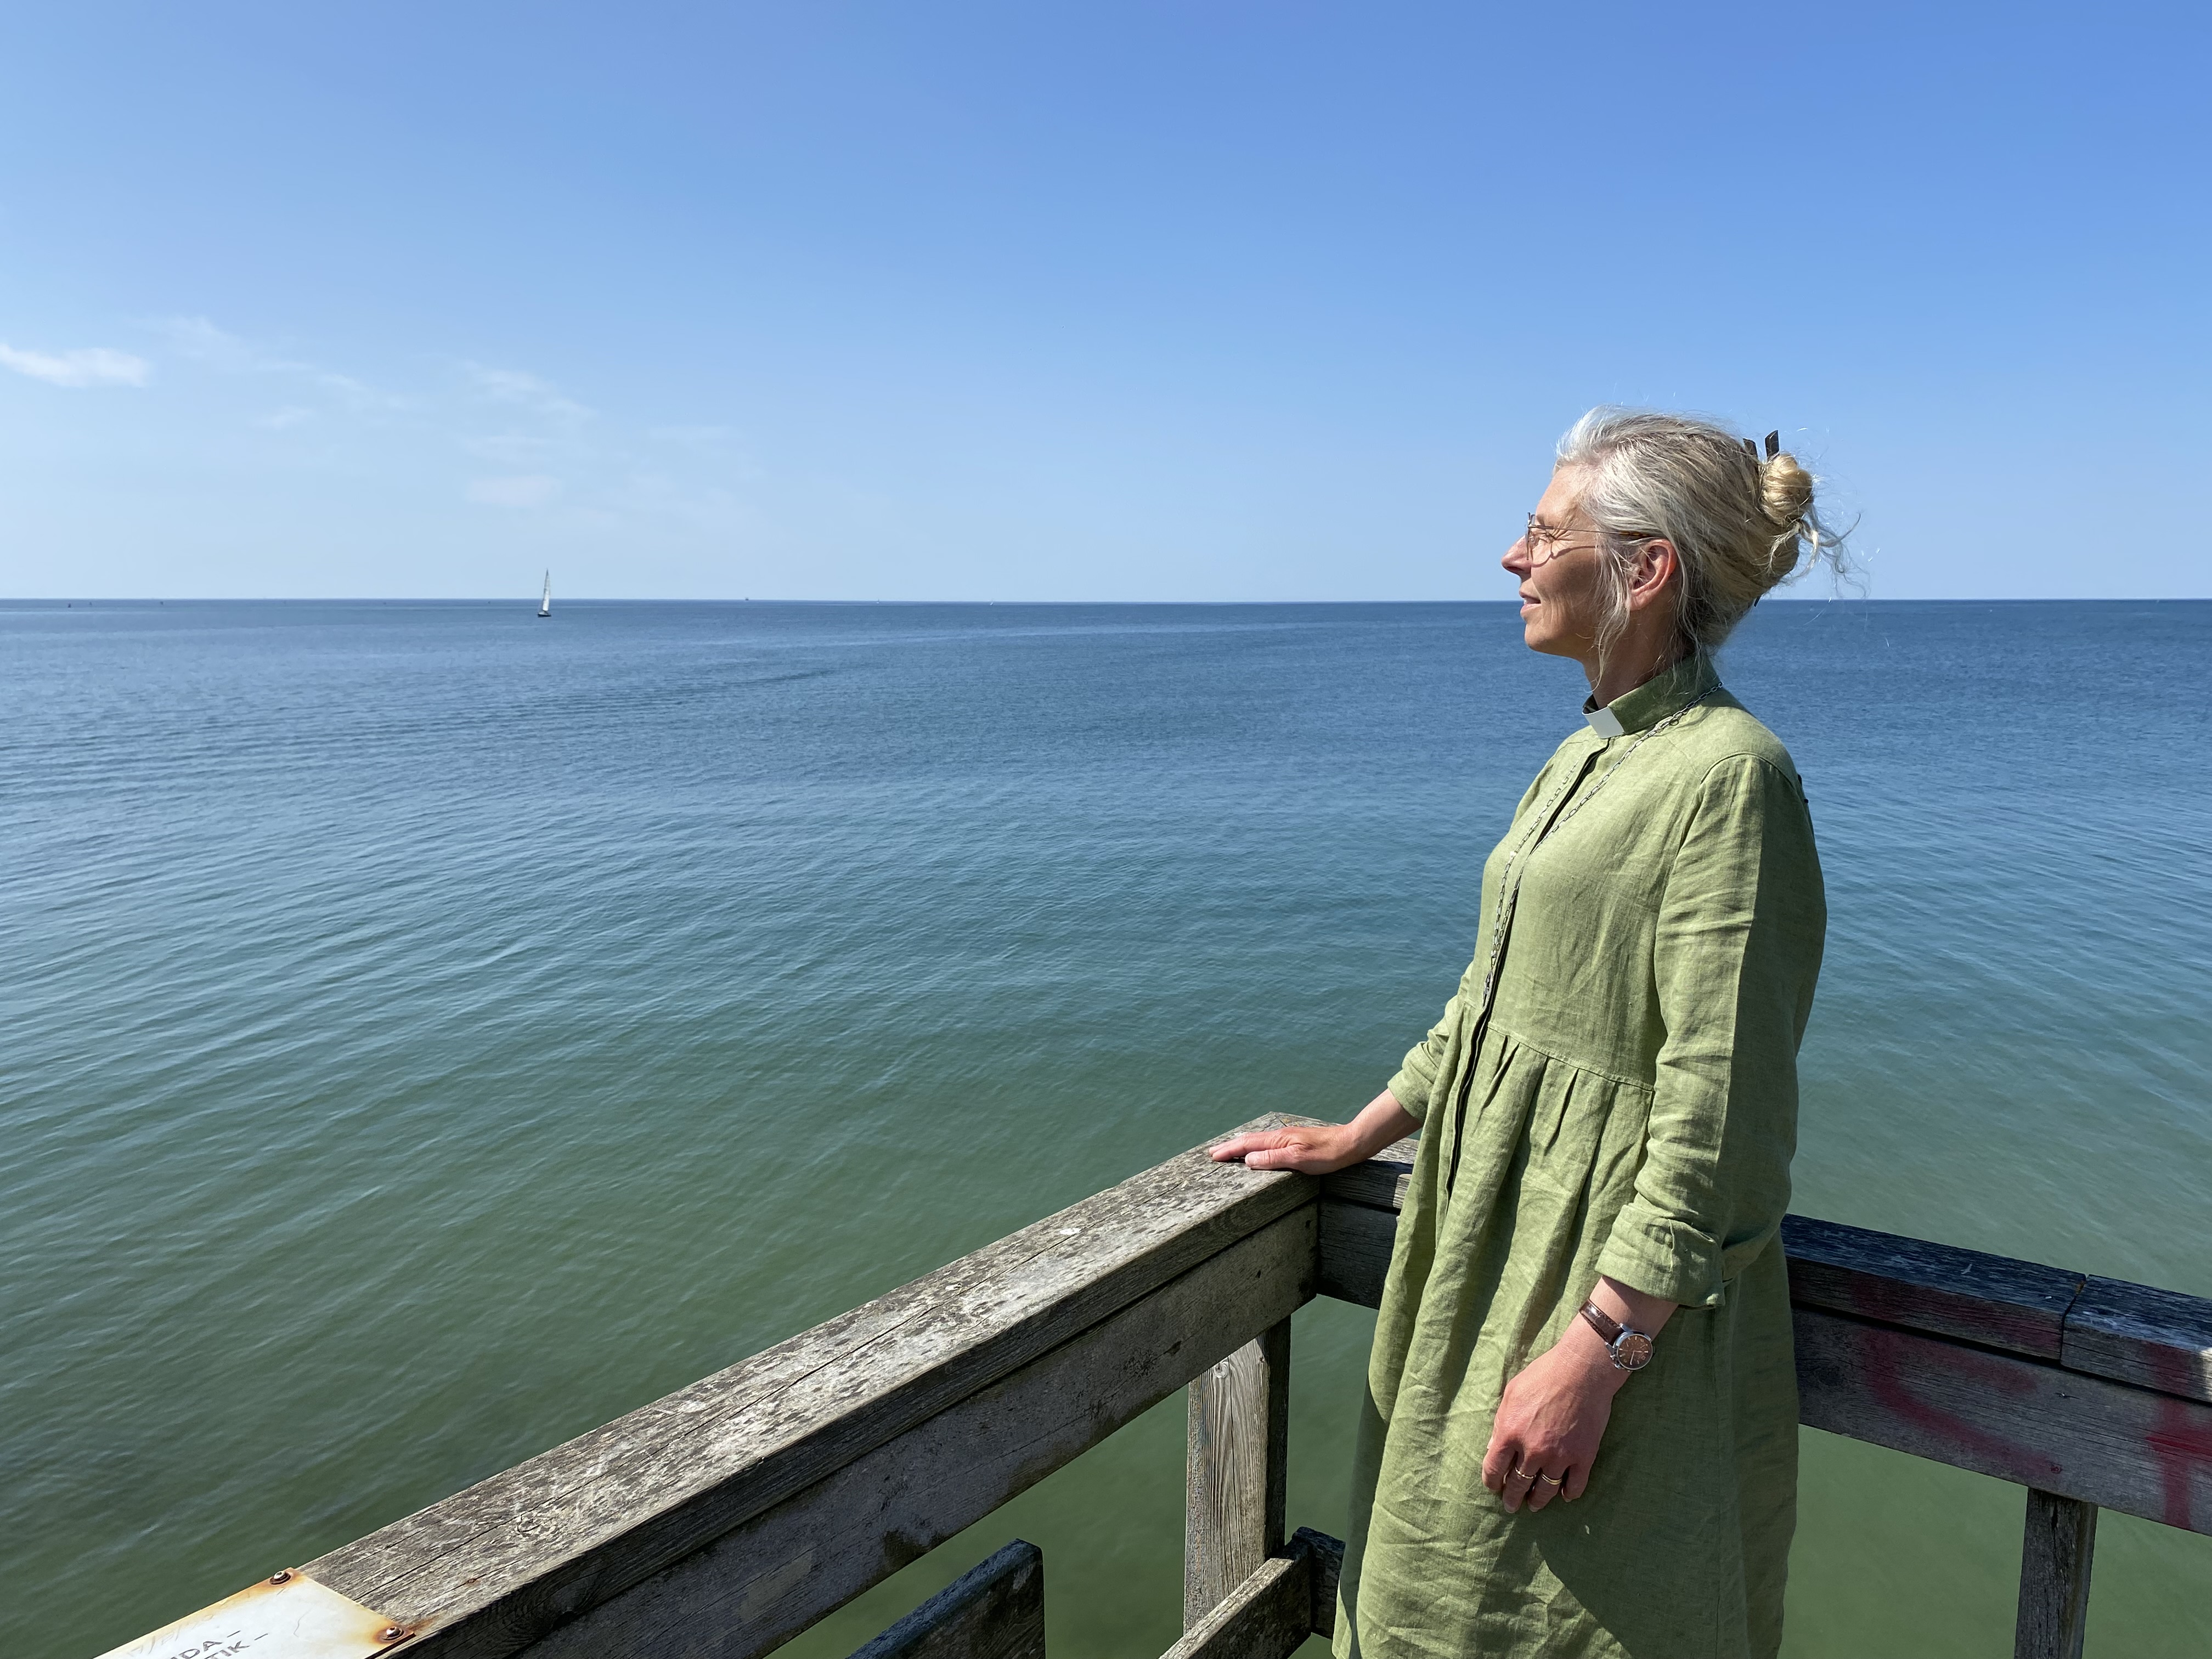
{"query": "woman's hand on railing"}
(1322, 1148)
(1310, 1149)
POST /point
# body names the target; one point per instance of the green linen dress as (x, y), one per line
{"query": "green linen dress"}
(1613, 1091)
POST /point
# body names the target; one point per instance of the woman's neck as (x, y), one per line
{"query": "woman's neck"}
(1624, 669)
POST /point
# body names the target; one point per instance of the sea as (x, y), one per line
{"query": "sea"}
(431, 1031)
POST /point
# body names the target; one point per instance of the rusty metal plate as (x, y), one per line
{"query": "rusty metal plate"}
(289, 1616)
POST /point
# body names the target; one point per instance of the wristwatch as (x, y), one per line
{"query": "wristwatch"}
(1632, 1350)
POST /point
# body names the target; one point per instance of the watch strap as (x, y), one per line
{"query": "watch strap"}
(1608, 1327)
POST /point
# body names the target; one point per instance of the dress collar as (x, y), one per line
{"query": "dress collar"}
(1667, 692)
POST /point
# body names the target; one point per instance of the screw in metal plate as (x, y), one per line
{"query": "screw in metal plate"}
(283, 1577)
(391, 1633)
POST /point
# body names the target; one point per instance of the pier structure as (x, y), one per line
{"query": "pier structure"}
(728, 1517)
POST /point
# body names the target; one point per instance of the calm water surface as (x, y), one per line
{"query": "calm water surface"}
(431, 1032)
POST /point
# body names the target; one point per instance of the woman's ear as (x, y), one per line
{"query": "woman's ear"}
(1656, 565)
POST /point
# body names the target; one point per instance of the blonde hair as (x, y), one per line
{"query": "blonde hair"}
(1737, 519)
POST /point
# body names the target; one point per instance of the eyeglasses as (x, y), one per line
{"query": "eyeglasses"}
(1546, 542)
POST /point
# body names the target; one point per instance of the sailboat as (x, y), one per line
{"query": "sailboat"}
(546, 604)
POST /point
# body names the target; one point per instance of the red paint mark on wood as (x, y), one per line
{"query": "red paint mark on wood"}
(2182, 1443)
(1890, 1357)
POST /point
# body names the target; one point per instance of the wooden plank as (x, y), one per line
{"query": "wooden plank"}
(994, 1611)
(1263, 1618)
(539, 1543)
(1380, 1182)
(1937, 1288)
(2054, 1577)
(2086, 1438)
(2154, 1339)
(1291, 1596)
(763, 1582)
(1356, 1241)
(1327, 1555)
(1236, 1467)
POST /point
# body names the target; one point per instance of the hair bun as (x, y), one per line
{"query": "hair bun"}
(1785, 488)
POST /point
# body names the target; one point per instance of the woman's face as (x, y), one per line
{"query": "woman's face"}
(1560, 596)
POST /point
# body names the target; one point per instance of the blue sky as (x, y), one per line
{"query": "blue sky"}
(1140, 302)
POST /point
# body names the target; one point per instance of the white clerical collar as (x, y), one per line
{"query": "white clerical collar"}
(1603, 721)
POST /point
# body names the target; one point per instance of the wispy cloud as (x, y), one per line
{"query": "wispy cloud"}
(525, 392)
(87, 366)
(523, 445)
(198, 338)
(532, 489)
(200, 341)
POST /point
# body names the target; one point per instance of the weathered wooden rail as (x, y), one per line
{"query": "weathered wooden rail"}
(728, 1517)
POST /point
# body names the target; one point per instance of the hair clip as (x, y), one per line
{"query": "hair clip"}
(1773, 443)
(1750, 448)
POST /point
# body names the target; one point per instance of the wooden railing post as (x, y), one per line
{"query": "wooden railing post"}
(2054, 1577)
(1239, 1457)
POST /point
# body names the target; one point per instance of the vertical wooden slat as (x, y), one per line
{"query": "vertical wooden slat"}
(2054, 1577)
(1238, 1458)
(1327, 1555)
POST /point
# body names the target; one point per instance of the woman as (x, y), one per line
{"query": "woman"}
(1581, 1433)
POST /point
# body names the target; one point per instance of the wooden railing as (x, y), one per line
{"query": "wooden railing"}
(729, 1516)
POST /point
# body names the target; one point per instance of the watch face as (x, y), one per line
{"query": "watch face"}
(1632, 1351)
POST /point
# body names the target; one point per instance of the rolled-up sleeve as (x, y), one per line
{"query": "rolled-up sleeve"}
(1416, 1078)
(1735, 957)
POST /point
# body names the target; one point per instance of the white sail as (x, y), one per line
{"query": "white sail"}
(546, 604)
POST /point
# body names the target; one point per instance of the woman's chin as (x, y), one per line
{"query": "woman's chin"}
(1537, 637)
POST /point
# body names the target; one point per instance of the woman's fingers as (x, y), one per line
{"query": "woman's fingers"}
(1498, 1462)
(1520, 1487)
(1237, 1145)
(1279, 1149)
(1521, 1474)
(1292, 1152)
(1549, 1483)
